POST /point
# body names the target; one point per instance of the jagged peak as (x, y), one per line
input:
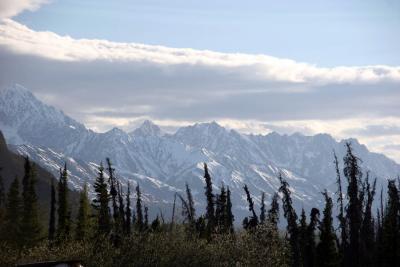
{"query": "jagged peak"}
(148, 128)
(17, 89)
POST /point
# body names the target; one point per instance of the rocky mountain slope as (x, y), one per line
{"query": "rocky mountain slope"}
(162, 163)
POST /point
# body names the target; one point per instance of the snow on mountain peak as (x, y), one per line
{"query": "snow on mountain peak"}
(148, 128)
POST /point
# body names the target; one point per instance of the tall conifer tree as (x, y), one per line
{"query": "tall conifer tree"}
(326, 249)
(100, 203)
(31, 229)
(291, 217)
(139, 212)
(391, 228)
(353, 174)
(128, 211)
(210, 208)
(12, 220)
(262, 208)
(273, 212)
(83, 218)
(52, 220)
(64, 220)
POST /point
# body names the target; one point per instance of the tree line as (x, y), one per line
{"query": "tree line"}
(362, 237)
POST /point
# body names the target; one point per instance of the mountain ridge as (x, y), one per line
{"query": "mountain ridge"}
(162, 163)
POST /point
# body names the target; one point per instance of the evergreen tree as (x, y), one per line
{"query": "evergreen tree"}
(52, 220)
(128, 211)
(273, 212)
(253, 220)
(303, 237)
(139, 212)
(343, 244)
(221, 211)
(146, 217)
(326, 249)
(155, 225)
(83, 217)
(210, 210)
(113, 190)
(229, 215)
(63, 226)
(191, 209)
(291, 217)
(31, 229)
(262, 208)
(310, 251)
(353, 174)
(367, 227)
(391, 228)
(100, 203)
(12, 220)
(2, 200)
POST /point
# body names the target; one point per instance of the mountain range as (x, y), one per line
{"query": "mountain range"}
(162, 163)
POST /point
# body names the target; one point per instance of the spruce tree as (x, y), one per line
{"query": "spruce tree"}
(52, 220)
(192, 210)
(326, 249)
(221, 211)
(210, 210)
(310, 251)
(262, 208)
(100, 203)
(273, 212)
(64, 223)
(2, 200)
(303, 237)
(128, 211)
(343, 244)
(12, 218)
(83, 217)
(146, 217)
(31, 229)
(353, 174)
(391, 228)
(253, 220)
(368, 227)
(139, 212)
(229, 215)
(113, 191)
(291, 217)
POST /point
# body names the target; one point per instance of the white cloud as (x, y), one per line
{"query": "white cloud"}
(106, 84)
(21, 39)
(11, 8)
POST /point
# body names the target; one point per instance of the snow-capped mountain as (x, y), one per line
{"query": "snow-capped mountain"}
(162, 163)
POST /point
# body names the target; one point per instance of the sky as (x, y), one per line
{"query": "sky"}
(255, 66)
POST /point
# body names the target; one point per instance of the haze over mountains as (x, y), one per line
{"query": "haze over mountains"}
(162, 163)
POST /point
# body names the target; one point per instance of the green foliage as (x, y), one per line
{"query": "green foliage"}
(139, 212)
(83, 218)
(263, 247)
(64, 213)
(326, 249)
(100, 203)
(273, 212)
(391, 227)
(353, 174)
(31, 228)
(291, 217)
(210, 208)
(52, 219)
(10, 230)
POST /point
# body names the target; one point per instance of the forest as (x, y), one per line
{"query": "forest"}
(109, 229)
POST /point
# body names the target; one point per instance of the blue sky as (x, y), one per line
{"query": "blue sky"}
(255, 66)
(325, 33)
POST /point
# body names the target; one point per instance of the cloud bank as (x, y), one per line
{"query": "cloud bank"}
(105, 84)
(11, 8)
